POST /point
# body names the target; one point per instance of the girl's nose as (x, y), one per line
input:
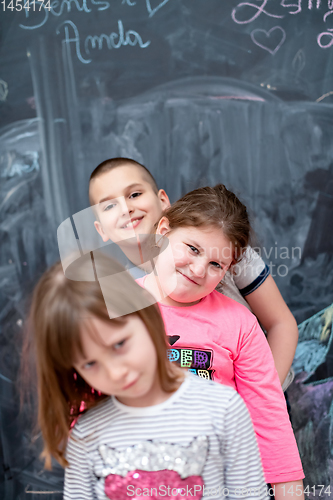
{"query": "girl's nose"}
(115, 372)
(198, 268)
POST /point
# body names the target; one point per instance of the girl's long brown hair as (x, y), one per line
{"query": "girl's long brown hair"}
(59, 308)
(213, 207)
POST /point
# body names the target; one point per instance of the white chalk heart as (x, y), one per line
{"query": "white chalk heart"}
(259, 36)
(153, 10)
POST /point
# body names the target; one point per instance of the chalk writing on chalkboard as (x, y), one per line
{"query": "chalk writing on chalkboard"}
(322, 39)
(262, 38)
(245, 13)
(3, 90)
(58, 8)
(258, 10)
(151, 10)
(113, 41)
(272, 40)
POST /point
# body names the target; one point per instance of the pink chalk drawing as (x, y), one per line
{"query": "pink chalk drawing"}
(269, 40)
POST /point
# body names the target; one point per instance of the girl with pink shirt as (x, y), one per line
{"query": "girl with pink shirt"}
(211, 334)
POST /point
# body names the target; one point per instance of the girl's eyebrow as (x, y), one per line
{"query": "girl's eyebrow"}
(84, 361)
(114, 337)
(222, 262)
(193, 243)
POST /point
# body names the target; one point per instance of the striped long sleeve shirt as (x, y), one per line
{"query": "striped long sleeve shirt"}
(198, 443)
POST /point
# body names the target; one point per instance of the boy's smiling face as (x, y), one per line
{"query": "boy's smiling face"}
(126, 203)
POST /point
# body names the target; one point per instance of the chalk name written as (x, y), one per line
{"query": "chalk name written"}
(114, 40)
(271, 40)
(247, 12)
(59, 7)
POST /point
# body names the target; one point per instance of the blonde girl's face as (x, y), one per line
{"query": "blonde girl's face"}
(120, 360)
(201, 257)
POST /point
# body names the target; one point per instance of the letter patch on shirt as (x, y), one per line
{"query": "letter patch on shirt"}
(197, 361)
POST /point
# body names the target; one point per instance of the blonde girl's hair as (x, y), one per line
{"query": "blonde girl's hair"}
(215, 207)
(60, 307)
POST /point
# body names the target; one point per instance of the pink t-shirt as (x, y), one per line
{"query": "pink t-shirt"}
(222, 340)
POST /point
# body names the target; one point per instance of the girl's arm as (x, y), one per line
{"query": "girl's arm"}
(267, 304)
(79, 480)
(258, 383)
(258, 288)
(286, 491)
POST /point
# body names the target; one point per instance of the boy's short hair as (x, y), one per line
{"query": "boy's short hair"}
(113, 163)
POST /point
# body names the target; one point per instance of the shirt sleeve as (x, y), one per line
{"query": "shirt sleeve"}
(243, 472)
(250, 272)
(79, 478)
(258, 383)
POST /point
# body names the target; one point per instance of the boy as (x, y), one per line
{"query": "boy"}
(128, 203)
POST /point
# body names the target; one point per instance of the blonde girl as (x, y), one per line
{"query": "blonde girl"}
(122, 419)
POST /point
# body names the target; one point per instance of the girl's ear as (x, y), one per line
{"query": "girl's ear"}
(163, 227)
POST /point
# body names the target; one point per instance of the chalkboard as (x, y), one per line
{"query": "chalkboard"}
(199, 91)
